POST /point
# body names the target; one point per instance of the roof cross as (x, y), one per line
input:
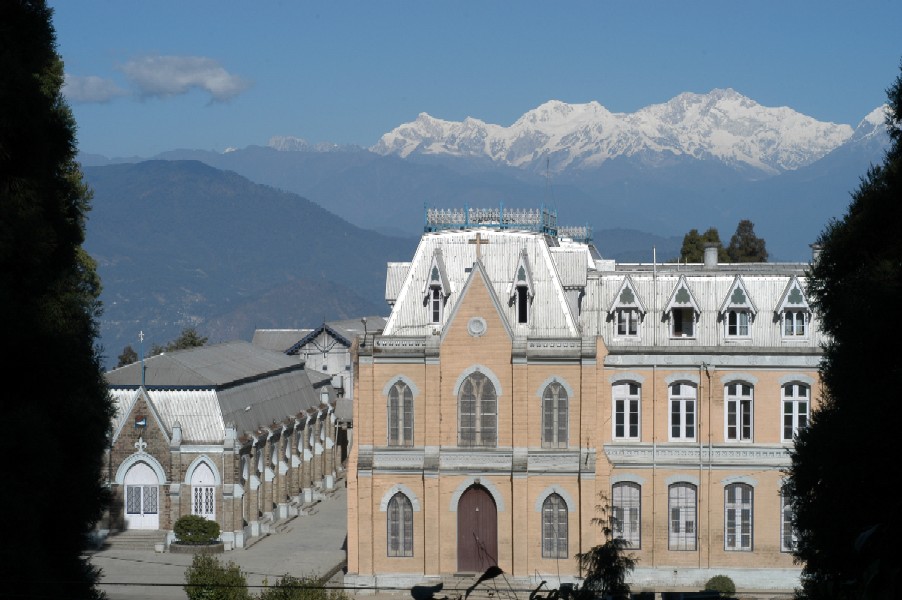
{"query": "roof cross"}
(479, 241)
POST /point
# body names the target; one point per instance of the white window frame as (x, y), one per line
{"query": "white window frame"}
(436, 305)
(795, 324)
(738, 323)
(788, 537)
(796, 406)
(738, 517)
(555, 416)
(400, 415)
(626, 322)
(682, 517)
(683, 414)
(399, 526)
(627, 411)
(739, 412)
(626, 507)
(555, 527)
(693, 321)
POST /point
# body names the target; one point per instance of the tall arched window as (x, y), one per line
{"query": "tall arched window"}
(203, 492)
(737, 532)
(400, 526)
(681, 505)
(795, 409)
(627, 504)
(400, 415)
(554, 527)
(554, 416)
(478, 406)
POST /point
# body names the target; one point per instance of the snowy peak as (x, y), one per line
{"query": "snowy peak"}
(722, 125)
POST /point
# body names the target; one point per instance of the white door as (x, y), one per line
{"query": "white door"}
(203, 492)
(142, 498)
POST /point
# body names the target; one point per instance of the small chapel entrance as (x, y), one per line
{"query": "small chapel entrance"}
(142, 495)
(477, 531)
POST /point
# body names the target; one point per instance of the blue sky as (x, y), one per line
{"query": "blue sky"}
(148, 76)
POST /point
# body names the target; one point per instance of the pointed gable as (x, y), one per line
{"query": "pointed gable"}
(793, 297)
(627, 297)
(478, 273)
(682, 297)
(522, 277)
(738, 298)
(437, 276)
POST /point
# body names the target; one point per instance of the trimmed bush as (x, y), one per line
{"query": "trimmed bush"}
(194, 529)
(303, 588)
(208, 579)
(721, 584)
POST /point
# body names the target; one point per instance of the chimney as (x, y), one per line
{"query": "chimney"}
(710, 255)
(815, 253)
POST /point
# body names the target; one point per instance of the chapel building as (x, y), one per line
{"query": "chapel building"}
(522, 380)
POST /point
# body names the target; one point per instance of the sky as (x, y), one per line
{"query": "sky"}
(144, 76)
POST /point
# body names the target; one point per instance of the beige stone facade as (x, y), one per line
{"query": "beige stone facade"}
(522, 380)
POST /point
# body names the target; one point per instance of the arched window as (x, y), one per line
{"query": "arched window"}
(626, 411)
(203, 492)
(681, 506)
(400, 526)
(795, 409)
(400, 415)
(740, 412)
(682, 412)
(627, 504)
(554, 527)
(478, 405)
(737, 530)
(554, 416)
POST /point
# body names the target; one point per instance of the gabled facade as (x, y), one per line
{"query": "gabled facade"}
(489, 436)
(231, 432)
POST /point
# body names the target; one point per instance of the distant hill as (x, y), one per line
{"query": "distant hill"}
(181, 243)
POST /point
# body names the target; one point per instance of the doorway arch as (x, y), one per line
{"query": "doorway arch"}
(142, 497)
(477, 530)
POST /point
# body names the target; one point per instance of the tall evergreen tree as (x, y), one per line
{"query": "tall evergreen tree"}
(745, 246)
(842, 487)
(693, 249)
(55, 405)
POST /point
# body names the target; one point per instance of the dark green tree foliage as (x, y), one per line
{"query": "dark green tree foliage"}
(188, 338)
(55, 405)
(843, 490)
(606, 565)
(127, 357)
(208, 579)
(693, 249)
(745, 246)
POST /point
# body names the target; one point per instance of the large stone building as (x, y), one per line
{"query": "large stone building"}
(231, 432)
(522, 380)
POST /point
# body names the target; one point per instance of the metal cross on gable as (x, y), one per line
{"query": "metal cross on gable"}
(479, 241)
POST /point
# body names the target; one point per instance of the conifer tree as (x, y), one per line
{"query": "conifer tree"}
(848, 513)
(55, 405)
(745, 246)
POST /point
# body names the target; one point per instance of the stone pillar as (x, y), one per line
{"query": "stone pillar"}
(269, 476)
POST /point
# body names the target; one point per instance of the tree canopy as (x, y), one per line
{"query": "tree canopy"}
(188, 338)
(693, 249)
(846, 505)
(745, 246)
(54, 433)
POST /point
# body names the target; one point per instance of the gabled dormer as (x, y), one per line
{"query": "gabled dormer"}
(683, 310)
(738, 310)
(437, 288)
(522, 288)
(627, 310)
(794, 311)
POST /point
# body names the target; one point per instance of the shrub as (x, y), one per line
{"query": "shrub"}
(721, 584)
(208, 579)
(304, 588)
(194, 529)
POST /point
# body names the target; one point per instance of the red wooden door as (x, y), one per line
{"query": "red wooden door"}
(477, 531)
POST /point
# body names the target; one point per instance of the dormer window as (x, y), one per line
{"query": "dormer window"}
(522, 290)
(627, 310)
(522, 304)
(435, 304)
(683, 311)
(437, 289)
(738, 311)
(794, 311)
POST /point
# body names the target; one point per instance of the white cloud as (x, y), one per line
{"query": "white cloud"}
(161, 76)
(90, 89)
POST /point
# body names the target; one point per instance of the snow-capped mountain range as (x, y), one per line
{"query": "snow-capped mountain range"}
(722, 125)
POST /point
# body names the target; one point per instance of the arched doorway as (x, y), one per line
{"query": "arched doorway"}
(203, 492)
(142, 497)
(477, 531)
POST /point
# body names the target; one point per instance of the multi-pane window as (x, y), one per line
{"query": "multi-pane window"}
(435, 304)
(478, 406)
(400, 526)
(627, 322)
(739, 413)
(738, 323)
(795, 323)
(400, 415)
(626, 411)
(788, 538)
(737, 532)
(681, 506)
(682, 322)
(795, 409)
(682, 412)
(554, 527)
(626, 505)
(203, 492)
(554, 416)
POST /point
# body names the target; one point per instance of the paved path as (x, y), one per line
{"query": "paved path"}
(312, 544)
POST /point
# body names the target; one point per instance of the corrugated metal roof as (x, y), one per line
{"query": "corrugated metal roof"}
(278, 340)
(572, 264)
(394, 280)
